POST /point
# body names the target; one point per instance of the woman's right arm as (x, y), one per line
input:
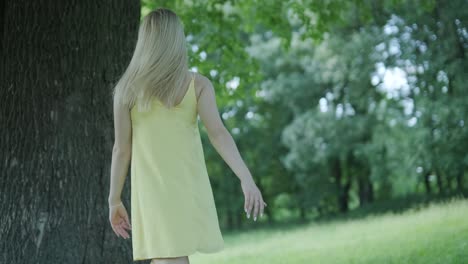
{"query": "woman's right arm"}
(225, 145)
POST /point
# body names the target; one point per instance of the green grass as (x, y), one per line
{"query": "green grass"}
(436, 233)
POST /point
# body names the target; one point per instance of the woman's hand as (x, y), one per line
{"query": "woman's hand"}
(253, 199)
(118, 218)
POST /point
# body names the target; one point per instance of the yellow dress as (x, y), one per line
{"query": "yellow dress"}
(173, 211)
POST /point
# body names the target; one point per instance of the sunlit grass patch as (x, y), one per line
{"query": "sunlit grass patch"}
(437, 233)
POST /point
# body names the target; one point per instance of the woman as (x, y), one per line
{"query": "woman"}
(157, 102)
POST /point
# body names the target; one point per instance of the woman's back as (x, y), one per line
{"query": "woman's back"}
(173, 213)
(173, 210)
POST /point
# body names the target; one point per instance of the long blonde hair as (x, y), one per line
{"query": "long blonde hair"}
(159, 64)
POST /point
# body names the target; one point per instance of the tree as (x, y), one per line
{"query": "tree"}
(59, 63)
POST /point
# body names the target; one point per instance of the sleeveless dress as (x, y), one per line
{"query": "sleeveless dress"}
(173, 211)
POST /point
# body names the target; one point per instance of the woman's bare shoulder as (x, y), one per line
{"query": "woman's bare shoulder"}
(201, 82)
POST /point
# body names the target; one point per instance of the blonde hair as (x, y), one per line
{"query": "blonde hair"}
(159, 64)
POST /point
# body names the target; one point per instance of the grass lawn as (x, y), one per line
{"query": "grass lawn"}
(437, 233)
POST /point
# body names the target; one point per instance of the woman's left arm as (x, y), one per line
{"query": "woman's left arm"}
(121, 152)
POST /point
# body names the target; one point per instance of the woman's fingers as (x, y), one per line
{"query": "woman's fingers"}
(262, 207)
(115, 231)
(251, 205)
(247, 204)
(118, 230)
(257, 208)
(254, 204)
(119, 221)
(127, 221)
(126, 225)
(122, 231)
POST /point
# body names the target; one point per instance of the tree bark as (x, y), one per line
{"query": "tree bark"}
(302, 213)
(342, 185)
(366, 192)
(427, 183)
(460, 186)
(440, 183)
(60, 60)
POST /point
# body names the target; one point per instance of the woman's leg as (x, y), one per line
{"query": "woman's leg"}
(177, 260)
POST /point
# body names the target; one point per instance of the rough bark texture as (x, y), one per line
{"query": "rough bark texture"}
(60, 60)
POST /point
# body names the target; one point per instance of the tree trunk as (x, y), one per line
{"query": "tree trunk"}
(239, 217)
(342, 186)
(366, 191)
(230, 220)
(460, 186)
(427, 183)
(60, 60)
(365, 188)
(371, 192)
(302, 213)
(440, 183)
(344, 198)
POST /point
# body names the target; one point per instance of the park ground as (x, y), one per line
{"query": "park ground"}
(436, 232)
